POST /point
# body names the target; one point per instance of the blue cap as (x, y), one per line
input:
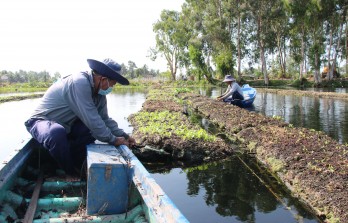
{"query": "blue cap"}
(108, 68)
(229, 78)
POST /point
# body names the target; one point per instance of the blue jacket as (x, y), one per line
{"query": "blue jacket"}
(74, 97)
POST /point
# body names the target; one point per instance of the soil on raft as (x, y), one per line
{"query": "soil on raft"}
(311, 164)
(175, 148)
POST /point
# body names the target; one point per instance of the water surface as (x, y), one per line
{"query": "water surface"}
(322, 114)
(223, 191)
(227, 191)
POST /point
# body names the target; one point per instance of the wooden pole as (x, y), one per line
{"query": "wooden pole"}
(29, 215)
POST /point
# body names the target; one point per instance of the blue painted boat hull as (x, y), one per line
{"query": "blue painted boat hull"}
(146, 201)
(249, 94)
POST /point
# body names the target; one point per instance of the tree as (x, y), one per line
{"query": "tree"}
(131, 69)
(280, 26)
(197, 59)
(171, 39)
(316, 32)
(346, 43)
(219, 34)
(263, 12)
(56, 76)
(239, 15)
(336, 12)
(299, 21)
(198, 46)
(212, 35)
(124, 70)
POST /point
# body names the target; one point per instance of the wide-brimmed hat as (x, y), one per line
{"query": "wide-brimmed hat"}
(108, 68)
(228, 78)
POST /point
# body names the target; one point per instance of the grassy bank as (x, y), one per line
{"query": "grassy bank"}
(336, 83)
(19, 97)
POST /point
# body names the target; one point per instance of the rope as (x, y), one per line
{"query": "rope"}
(262, 181)
(268, 187)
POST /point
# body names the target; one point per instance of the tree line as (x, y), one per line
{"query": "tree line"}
(33, 78)
(283, 38)
(36, 79)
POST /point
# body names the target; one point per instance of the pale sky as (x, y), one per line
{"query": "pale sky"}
(60, 35)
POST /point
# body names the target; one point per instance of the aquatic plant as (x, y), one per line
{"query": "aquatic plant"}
(166, 123)
(330, 218)
(310, 155)
(161, 95)
(182, 90)
(276, 165)
(277, 117)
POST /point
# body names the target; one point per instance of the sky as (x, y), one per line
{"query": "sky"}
(60, 35)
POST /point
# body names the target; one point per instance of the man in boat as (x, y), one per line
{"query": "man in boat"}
(73, 113)
(234, 93)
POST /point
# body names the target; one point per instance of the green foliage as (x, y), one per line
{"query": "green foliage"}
(196, 55)
(299, 83)
(218, 29)
(197, 59)
(161, 95)
(132, 71)
(171, 39)
(24, 87)
(166, 75)
(182, 90)
(167, 123)
(224, 62)
(275, 164)
(32, 77)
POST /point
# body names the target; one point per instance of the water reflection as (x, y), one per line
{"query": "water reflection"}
(322, 114)
(124, 103)
(231, 193)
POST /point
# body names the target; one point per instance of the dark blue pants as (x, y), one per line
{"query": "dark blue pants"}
(69, 150)
(235, 97)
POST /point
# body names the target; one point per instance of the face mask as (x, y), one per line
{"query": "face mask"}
(105, 92)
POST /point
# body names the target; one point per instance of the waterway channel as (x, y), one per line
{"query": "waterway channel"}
(225, 191)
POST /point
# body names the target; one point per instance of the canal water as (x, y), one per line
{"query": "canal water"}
(322, 114)
(225, 191)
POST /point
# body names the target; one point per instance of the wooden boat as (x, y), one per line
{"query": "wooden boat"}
(249, 94)
(117, 188)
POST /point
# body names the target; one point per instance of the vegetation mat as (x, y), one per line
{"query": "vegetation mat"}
(169, 135)
(311, 164)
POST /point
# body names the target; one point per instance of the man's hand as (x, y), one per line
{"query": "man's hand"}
(131, 142)
(121, 141)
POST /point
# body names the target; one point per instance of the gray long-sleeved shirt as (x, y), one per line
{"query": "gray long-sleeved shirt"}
(73, 97)
(231, 89)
